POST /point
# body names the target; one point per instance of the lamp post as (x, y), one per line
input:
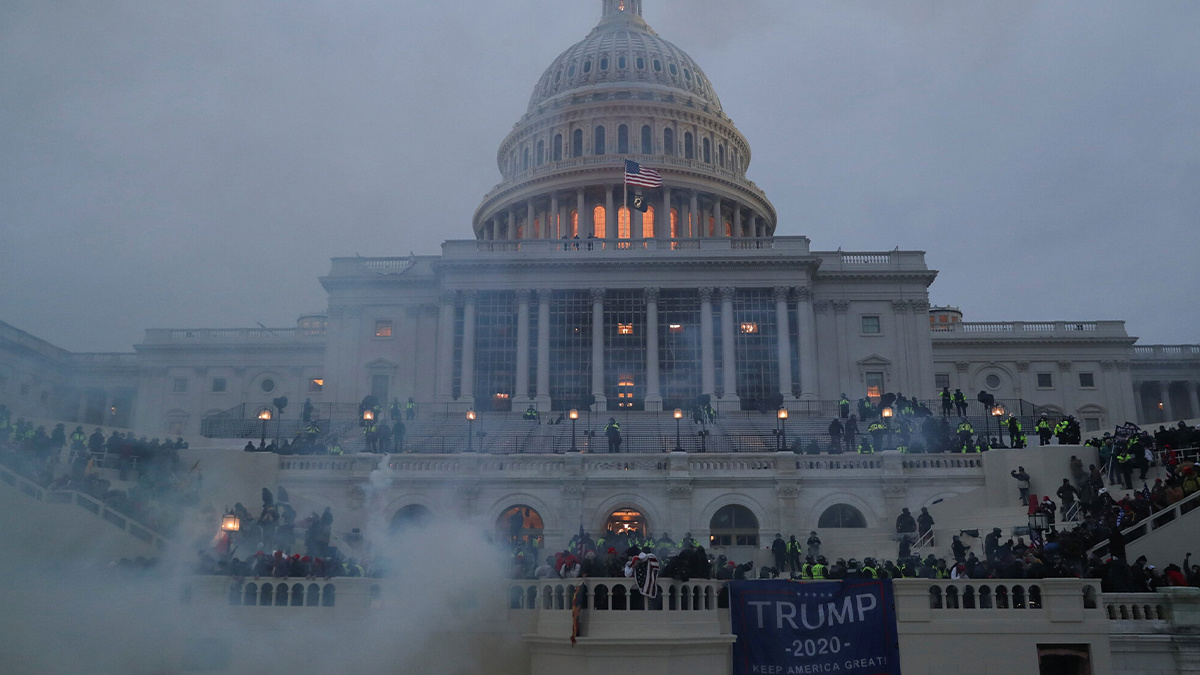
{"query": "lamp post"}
(230, 522)
(998, 412)
(782, 415)
(887, 412)
(1039, 522)
(265, 416)
(574, 415)
(470, 430)
(678, 416)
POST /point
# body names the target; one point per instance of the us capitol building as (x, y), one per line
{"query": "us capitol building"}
(567, 299)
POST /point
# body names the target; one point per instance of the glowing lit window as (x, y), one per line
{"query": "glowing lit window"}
(874, 384)
(648, 223)
(625, 329)
(316, 384)
(675, 328)
(598, 222)
(749, 328)
(623, 223)
(383, 329)
(501, 395)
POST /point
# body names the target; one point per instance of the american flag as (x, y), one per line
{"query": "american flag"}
(636, 174)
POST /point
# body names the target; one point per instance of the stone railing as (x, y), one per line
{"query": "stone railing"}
(1156, 352)
(1030, 328)
(1135, 607)
(454, 250)
(617, 595)
(230, 335)
(1156, 520)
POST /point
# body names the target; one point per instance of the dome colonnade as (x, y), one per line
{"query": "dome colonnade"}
(623, 93)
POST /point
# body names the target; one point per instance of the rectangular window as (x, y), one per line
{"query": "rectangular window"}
(379, 386)
(383, 329)
(941, 380)
(495, 348)
(1091, 424)
(180, 385)
(316, 384)
(870, 325)
(756, 351)
(678, 348)
(1045, 381)
(218, 385)
(874, 384)
(1087, 380)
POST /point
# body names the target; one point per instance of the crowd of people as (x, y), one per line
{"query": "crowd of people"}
(156, 486)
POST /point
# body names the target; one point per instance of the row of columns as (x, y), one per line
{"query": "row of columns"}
(805, 350)
(1164, 396)
(502, 225)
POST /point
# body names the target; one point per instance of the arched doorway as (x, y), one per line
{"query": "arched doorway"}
(628, 522)
(733, 525)
(412, 516)
(520, 524)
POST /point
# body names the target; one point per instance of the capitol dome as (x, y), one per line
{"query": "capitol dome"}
(619, 52)
(623, 94)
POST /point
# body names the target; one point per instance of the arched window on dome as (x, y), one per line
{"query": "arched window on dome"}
(712, 225)
(577, 143)
(689, 146)
(525, 158)
(587, 67)
(647, 140)
(598, 142)
(640, 63)
(598, 224)
(707, 152)
(674, 70)
(574, 223)
(541, 152)
(623, 222)
(669, 142)
(604, 63)
(728, 229)
(622, 63)
(721, 155)
(558, 148)
(623, 140)
(648, 223)
(674, 223)
(657, 66)
(537, 228)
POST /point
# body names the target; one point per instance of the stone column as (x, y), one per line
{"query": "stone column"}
(598, 348)
(662, 224)
(729, 399)
(521, 396)
(445, 346)
(843, 353)
(807, 349)
(1164, 395)
(530, 216)
(904, 377)
(783, 342)
(553, 218)
(1139, 404)
(610, 215)
(653, 395)
(737, 220)
(694, 214)
(467, 380)
(543, 350)
(585, 223)
(718, 218)
(708, 374)
(512, 222)
(636, 223)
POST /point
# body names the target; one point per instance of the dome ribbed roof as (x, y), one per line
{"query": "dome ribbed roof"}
(619, 52)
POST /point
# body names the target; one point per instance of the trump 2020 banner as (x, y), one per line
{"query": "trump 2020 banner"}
(787, 627)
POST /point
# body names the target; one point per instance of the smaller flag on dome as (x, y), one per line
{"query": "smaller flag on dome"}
(636, 174)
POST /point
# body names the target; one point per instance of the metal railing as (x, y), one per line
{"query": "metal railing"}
(1157, 520)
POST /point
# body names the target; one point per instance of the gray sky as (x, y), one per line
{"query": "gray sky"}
(169, 164)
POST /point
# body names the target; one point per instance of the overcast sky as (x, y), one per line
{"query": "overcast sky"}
(196, 164)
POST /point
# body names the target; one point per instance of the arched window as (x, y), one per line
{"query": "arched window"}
(689, 146)
(623, 222)
(621, 62)
(604, 63)
(558, 147)
(707, 152)
(648, 223)
(669, 141)
(842, 515)
(733, 525)
(574, 223)
(598, 142)
(577, 143)
(598, 221)
(541, 152)
(641, 63)
(647, 140)
(674, 223)
(721, 154)
(623, 140)
(525, 158)
(413, 515)
(520, 524)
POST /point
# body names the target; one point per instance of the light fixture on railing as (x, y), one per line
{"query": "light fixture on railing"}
(574, 415)
(678, 414)
(887, 412)
(231, 523)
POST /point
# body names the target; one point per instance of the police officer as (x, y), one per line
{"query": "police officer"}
(960, 402)
(820, 569)
(612, 431)
(947, 401)
(1044, 431)
(844, 406)
(1016, 433)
